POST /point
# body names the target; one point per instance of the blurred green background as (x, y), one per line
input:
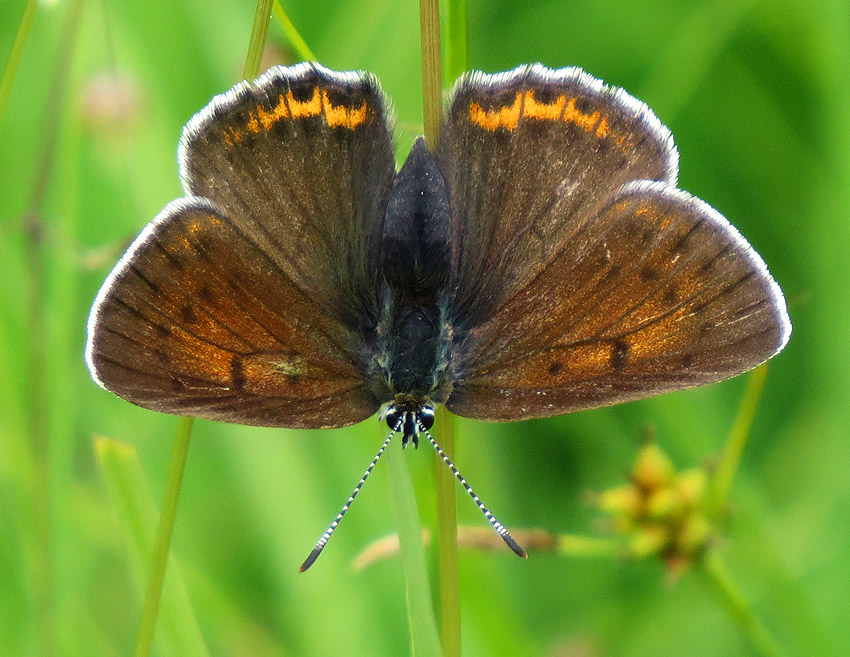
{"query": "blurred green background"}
(757, 95)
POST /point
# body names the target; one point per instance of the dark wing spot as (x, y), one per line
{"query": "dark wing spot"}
(619, 355)
(671, 295)
(206, 293)
(203, 247)
(612, 273)
(556, 368)
(188, 314)
(649, 274)
(237, 374)
(176, 384)
(687, 361)
(162, 331)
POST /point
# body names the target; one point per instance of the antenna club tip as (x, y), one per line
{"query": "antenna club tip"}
(309, 561)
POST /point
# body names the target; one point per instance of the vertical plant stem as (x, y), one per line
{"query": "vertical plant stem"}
(456, 58)
(731, 458)
(15, 55)
(447, 536)
(164, 533)
(260, 31)
(432, 90)
(432, 74)
(425, 642)
(292, 35)
(720, 581)
(180, 450)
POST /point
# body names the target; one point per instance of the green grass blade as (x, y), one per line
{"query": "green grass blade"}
(262, 17)
(446, 532)
(179, 633)
(456, 55)
(720, 581)
(425, 642)
(730, 461)
(15, 55)
(292, 35)
(432, 70)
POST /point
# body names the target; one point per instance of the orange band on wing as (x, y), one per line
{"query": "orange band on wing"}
(561, 109)
(506, 116)
(264, 117)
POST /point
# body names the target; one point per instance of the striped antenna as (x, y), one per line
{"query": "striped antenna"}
(499, 527)
(323, 540)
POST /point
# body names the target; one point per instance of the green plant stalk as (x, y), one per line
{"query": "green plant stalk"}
(722, 584)
(180, 449)
(179, 633)
(731, 457)
(17, 51)
(164, 533)
(292, 35)
(425, 642)
(260, 31)
(446, 530)
(432, 70)
(446, 533)
(456, 52)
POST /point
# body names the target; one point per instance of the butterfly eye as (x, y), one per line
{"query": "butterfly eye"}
(393, 417)
(425, 417)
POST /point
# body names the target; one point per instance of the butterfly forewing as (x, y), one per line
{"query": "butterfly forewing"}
(302, 161)
(197, 320)
(662, 294)
(529, 157)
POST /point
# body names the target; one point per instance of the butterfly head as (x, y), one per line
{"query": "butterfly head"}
(409, 420)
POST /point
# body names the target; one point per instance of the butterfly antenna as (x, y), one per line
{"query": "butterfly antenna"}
(499, 527)
(323, 540)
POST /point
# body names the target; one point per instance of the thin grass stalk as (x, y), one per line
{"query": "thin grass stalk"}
(15, 54)
(424, 639)
(262, 17)
(180, 449)
(432, 70)
(164, 534)
(446, 532)
(456, 51)
(301, 48)
(719, 580)
(730, 461)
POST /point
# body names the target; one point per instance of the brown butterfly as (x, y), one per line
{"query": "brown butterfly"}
(540, 261)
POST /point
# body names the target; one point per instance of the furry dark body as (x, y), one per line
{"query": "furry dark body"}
(413, 331)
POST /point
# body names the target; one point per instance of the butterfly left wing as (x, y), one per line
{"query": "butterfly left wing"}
(197, 320)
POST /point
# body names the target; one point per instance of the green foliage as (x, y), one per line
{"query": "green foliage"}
(756, 96)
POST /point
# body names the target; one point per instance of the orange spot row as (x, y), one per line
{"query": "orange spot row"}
(288, 107)
(563, 109)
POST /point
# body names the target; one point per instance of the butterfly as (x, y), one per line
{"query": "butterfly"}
(541, 260)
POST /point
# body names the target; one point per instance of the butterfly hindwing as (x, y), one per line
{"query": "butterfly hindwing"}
(197, 320)
(663, 294)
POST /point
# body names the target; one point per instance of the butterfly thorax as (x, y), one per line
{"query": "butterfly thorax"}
(415, 256)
